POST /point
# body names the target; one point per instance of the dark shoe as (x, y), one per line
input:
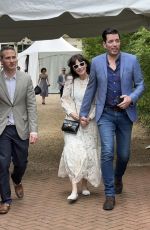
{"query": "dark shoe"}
(19, 190)
(109, 203)
(118, 186)
(4, 208)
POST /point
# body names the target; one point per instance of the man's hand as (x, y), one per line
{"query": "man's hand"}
(33, 137)
(84, 121)
(126, 102)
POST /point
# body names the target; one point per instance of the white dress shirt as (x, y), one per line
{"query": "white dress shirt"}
(11, 86)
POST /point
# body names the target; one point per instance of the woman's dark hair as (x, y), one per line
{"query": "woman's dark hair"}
(43, 69)
(72, 61)
(109, 31)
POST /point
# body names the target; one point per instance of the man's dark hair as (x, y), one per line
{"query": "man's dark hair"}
(7, 47)
(109, 31)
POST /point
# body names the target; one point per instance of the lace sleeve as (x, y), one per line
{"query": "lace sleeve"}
(67, 99)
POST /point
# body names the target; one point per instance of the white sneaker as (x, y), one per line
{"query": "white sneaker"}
(73, 197)
(86, 192)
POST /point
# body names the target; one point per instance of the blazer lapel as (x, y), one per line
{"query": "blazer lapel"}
(105, 64)
(18, 86)
(122, 65)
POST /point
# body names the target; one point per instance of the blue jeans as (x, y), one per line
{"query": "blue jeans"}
(115, 131)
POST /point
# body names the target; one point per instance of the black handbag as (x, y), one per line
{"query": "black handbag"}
(70, 126)
(37, 90)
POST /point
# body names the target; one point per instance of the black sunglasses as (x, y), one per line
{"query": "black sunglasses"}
(79, 65)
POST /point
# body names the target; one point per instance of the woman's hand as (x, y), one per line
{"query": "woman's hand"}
(75, 116)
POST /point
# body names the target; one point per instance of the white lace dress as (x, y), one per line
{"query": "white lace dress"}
(81, 154)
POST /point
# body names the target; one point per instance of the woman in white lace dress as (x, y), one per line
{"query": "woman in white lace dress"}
(80, 156)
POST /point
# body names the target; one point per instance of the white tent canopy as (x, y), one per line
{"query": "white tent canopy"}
(48, 19)
(51, 54)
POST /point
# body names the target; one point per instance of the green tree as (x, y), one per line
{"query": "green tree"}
(140, 45)
(92, 47)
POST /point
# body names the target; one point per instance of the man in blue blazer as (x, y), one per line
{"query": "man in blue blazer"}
(116, 81)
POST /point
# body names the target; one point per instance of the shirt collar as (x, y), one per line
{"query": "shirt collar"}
(118, 57)
(8, 78)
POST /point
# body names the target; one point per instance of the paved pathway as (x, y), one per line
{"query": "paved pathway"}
(45, 207)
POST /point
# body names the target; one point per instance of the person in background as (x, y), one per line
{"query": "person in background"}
(43, 82)
(80, 156)
(18, 67)
(117, 81)
(61, 80)
(18, 125)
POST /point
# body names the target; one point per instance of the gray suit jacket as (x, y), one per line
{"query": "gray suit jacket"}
(132, 84)
(60, 80)
(23, 107)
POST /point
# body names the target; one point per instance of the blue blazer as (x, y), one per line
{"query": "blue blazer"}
(132, 84)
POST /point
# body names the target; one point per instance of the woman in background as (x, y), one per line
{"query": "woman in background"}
(80, 156)
(43, 82)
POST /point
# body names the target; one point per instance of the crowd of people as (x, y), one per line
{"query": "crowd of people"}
(102, 96)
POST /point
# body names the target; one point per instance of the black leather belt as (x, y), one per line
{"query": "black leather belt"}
(115, 108)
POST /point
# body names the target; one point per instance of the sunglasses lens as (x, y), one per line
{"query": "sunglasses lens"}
(77, 66)
(82, 64)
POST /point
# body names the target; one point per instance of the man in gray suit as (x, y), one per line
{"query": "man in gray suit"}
(61, 81)
(117, 82)
(18, 125)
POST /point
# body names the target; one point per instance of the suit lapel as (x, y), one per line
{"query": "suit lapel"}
(122, 65)
(18, 86)
(105, 64)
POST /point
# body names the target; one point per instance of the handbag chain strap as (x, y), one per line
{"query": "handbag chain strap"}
(74, 98)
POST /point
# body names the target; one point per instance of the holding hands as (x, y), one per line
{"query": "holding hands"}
(84, 121)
